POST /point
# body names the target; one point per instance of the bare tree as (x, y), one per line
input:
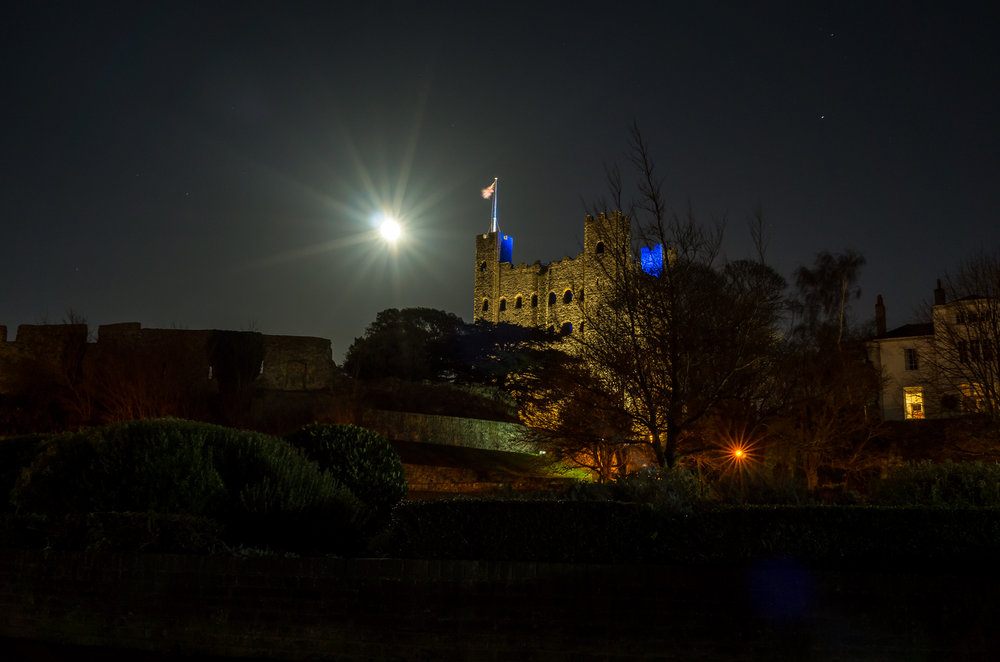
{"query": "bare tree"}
(826, 387)
(569, 411)
(672, 333)
(967, 336)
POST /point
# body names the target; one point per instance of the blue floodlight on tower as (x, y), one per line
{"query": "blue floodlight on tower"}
(506, 248)
(652, 259)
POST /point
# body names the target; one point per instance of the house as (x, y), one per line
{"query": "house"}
(943, 368)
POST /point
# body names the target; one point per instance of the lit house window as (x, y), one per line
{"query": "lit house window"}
(913, 402)
(910, 361)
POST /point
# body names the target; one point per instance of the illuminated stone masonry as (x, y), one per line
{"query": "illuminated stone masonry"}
(554, 295)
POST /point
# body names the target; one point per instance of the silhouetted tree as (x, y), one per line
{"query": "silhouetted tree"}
(828, 388)
(569, 410)
(825, 292)
(967, 336)
(411, 344)
(674, 341)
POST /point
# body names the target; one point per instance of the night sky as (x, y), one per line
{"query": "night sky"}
(220, 165)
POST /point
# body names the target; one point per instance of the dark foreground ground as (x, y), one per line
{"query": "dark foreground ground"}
(71, 606)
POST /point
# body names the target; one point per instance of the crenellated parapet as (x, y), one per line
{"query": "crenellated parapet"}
(551, 295)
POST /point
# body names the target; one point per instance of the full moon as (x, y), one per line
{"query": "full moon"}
(390, 230)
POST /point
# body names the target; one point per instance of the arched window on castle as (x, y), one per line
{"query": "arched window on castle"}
(517, 301)
(482, 266)
(552, 298)
(566, 329)
(567, 296)
(486, 305)
(581, 294)
(599, 248)
(534, 301)
(503, 305)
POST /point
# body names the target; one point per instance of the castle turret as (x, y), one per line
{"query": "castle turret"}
(492, 248)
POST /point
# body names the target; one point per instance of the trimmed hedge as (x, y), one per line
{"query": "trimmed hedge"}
(940, 484)
(114, 532)
(842, 537)
(520, 530)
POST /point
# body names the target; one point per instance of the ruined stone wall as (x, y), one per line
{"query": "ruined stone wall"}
(176, 358)
(297, 363)
(41, 354)
(125, 353)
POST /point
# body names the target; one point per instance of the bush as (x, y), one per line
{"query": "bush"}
(264, 491)
(362, 460)
(277, 496)
(155, 466)
(16, 454)
(672, 490)
(941, 485)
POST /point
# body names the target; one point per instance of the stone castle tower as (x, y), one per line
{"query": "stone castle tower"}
(552, 295)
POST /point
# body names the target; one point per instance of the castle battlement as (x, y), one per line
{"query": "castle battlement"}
(551, 295)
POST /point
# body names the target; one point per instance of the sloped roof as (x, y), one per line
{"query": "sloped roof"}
(908, 331)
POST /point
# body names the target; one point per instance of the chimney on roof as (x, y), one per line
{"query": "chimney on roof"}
(939, 294)
(879, 316)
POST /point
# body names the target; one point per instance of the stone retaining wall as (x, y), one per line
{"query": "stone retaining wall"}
(449, 430)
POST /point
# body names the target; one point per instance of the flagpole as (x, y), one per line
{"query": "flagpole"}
(496, 194)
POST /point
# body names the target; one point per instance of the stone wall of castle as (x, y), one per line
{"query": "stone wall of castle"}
(62, 353)
(553, 295)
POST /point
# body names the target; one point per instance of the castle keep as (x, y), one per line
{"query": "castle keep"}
(553, 295)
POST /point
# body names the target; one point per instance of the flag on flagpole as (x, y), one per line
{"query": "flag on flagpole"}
(489, 190)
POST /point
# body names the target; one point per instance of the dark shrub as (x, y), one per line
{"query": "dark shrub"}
(362, 460)
(274, 489)
(113, 532)
(946, 485)
(16, 454)
(673, 490)
(160, 466)
(264, 491)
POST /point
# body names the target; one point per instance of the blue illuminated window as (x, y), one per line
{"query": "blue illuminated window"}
(652, 260)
